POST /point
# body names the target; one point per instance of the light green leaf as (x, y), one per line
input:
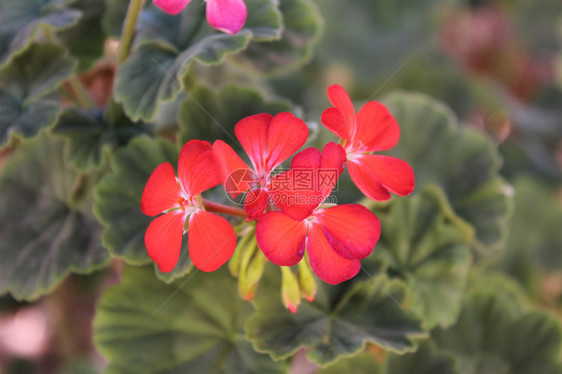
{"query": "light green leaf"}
(362, 363)
(425, 360)
(47, 229)
(86, 39)
(302, 30)
(493, 335)
(114, 16)
(428, 248)
(118, 197)
(19, 21)
(534, 243)
(166, 45)
(463, 161)
(210, 115)
(26, 81)
(146, 326)
(340, 321)
(90, 136)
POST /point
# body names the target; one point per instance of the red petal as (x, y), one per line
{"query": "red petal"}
(235, 175)
(161, 191)
(227, 16)
(325, 262)
(251, 132)
(171, 6)
(285, 135)
(352, 230)
(309, 158)
(255, 202)
(197, 170)
(334, 121)
(296, 191)
(377, 130)
(163, 240)
(280, 238)
(309, 181)
(341, 101)
(375, 175)
(331, 167)
(211, 240)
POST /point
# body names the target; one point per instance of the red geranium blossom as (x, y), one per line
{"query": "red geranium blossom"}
(335, 238)
(227, 16)
(268, 141)
(372, 129)
(211, 238)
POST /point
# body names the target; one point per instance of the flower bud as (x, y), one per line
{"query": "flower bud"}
(245, 288)
(290, 290)
(306, 281)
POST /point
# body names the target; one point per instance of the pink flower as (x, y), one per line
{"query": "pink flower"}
(211, 238)
(227, 16)
(372, 129)
(268, 141)
(335, 238)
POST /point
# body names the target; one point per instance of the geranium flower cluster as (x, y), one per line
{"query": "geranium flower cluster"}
(290, 223)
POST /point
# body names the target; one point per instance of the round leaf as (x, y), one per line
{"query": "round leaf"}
(428, 248)
(46, 226)
(212, 115)
(464, 162)
(167, 44)
(20, 19)
(425, 360)
(493, 335)
(26, 80)
(85, 40)
(337, 324)
(302, 30)
(195, 326)
(89, 136)
(534, 243)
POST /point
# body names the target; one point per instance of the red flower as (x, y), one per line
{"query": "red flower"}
(211, 238)
(227, 16)
(373, 129)
(335, 238)
(268, 141)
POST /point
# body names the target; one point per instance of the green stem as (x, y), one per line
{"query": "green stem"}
(114, 112)
(129, 28)
(80, 92)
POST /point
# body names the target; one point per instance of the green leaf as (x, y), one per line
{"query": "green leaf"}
(195, 326)
(425, 360)
(362, 363)
(25, 106)
(118, 196)
(493, 335)
(47, 229)
(114, 17)
(90, 136)
(426, 247)
(86, 39)
(19, 21)
(302, 30)
(534, 243)
(337, 324)
(166, 45)
(210, 115)
(463, 161)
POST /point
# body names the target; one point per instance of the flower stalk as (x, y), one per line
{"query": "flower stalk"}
(129, 28)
